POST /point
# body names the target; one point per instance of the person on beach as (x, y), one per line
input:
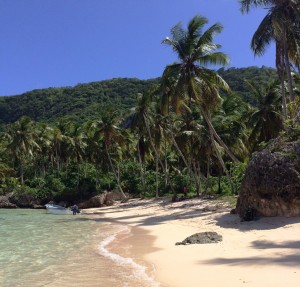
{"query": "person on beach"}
(75, 209)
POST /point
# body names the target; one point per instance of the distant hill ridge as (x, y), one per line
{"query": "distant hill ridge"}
(82, 101)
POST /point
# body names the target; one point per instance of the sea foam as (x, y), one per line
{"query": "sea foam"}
(139, 271)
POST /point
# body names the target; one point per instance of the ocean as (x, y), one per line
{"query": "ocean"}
(41, 249)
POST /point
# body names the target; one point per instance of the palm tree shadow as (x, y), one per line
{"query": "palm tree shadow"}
(290, 260)
(263, 223)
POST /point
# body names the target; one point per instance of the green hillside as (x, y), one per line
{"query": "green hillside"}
(84, 100)
(79, 102)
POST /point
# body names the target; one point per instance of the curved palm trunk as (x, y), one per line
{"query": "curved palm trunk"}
(190, 171)
(156, 154)
(219, 156)
(217, 137)
(115, 174)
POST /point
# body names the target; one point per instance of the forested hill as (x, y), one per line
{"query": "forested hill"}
(84, 100)
(77, 103)
(235, 77)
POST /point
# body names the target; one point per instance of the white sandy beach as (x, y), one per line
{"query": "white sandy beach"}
(262, 253)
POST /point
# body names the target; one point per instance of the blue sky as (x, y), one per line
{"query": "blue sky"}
(54, 43)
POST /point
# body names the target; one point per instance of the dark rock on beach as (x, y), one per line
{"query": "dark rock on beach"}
(271, 186)
(5, 203)
(201, 238)
(103, 199)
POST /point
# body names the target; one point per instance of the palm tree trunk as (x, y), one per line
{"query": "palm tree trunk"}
(166, 164)
(216, 136)
(156, 153)
(141, 167)
(280, 72)
(191, 173)
(22, 173)
(288, 68)
(219, 156)
(115, 174)
(156, 176)
(197, 181)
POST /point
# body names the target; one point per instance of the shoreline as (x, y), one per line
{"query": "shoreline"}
(257, 253)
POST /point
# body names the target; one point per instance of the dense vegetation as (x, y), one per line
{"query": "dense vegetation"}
(78, 103)
(193, 127)
(83, 101)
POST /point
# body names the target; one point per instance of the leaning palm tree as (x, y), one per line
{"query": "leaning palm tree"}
(192, 81)
(280, 25)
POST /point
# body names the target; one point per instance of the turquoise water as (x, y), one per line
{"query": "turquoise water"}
(41, 249)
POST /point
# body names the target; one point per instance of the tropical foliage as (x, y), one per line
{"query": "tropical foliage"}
(193, 127)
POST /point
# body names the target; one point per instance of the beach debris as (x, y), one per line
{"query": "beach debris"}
(202, 238)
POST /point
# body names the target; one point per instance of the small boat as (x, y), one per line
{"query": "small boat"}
(57, 209)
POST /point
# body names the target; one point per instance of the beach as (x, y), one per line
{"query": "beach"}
(265, 252)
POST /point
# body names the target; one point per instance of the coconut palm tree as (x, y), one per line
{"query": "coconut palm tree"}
(136, 121)
(22, 141)
(266, 121)
(281, 25)
(192, 81)
(107, 126)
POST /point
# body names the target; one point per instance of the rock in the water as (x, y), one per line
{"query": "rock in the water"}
(271, 186)
(202, 238)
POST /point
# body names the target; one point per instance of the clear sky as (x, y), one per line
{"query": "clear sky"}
(54, 43)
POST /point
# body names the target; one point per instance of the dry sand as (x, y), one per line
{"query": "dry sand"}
(262, 253)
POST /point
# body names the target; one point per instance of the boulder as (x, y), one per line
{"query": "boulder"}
(114, 196)
(95, 201)
(24, 200)
(271, 186)
(201, 238)
(103, 199)
(5, 203)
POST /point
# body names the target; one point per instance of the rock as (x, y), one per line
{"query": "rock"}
(5, 203)
(271, 185)
(95, 201)
(114, 196)
(104, 199)
(201, 238)
(24, 200)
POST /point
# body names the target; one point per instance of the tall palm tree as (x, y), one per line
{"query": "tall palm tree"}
(22, 141)
(266, 121)
(281, 25)
(136, 121)
(193, 81)
(107, 126)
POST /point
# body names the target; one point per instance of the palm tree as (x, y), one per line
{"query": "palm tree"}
(107, 126)
(78, 146)
(136, 121)
(22, 141)
(192, 81)
(266, 121)
(281, 25)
